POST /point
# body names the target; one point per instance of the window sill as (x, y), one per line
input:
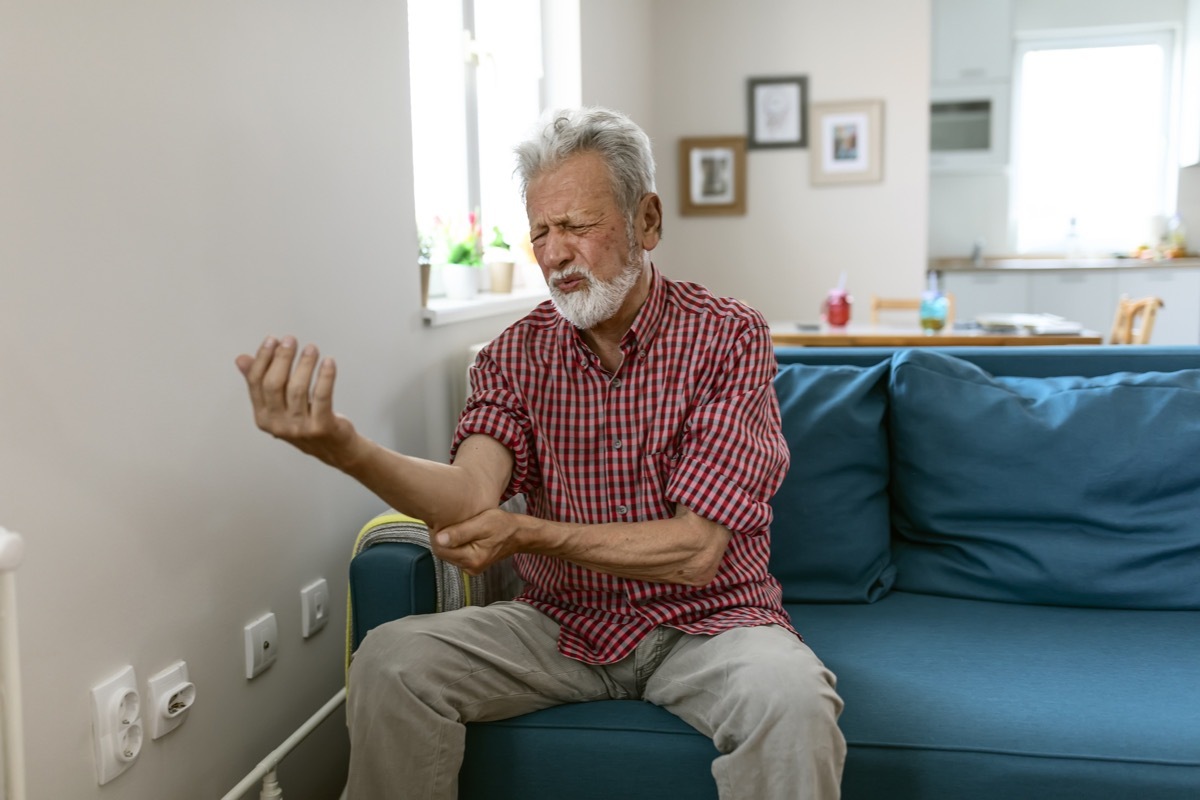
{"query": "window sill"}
(443, 311)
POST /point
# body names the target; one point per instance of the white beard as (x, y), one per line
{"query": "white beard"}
(599, 301)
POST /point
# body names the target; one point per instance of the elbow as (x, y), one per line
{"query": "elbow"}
(703, 569)
(708, 543)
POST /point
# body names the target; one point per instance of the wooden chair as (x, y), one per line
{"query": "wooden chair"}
(907, 304)
(1125, 329)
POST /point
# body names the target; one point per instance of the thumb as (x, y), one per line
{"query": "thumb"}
(244, 362)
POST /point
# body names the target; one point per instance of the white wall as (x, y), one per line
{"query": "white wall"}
(1034, 15)
(180, 179)
(795, 239)
(617, 56)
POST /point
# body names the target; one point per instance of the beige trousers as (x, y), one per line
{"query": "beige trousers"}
(760, 694)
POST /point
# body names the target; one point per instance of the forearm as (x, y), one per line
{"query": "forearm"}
(438, 494)
(685, 549)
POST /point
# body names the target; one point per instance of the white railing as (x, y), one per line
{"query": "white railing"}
(12, 550)
(265, 771)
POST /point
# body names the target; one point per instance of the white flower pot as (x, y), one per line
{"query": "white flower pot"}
(460, 281)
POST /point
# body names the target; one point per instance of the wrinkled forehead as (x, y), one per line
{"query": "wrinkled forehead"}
(580, 181)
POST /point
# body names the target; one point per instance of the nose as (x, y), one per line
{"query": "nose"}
(552, 252)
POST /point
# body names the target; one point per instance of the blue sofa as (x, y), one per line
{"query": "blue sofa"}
(997, 551)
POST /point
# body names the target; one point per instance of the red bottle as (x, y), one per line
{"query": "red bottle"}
(836, 308)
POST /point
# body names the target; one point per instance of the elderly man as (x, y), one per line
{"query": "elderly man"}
(638, 417)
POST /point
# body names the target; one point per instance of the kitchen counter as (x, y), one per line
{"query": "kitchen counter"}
(1002, 263)
(1082, 290)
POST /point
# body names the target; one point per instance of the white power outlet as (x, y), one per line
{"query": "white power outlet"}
(170, 694)
(314, 607)
(116, 724)
(262, 644)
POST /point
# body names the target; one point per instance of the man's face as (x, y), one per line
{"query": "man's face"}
(582, 240)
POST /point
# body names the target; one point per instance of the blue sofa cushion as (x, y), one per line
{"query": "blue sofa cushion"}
(1056, 490)
(588, 751)
(952, 698)
(946, 698)
(830, 540)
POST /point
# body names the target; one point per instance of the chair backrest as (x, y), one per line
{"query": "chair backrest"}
(906, 304)
(1126, 328)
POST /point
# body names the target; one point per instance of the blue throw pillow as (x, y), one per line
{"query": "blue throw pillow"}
(1060, 491)
(830, 538)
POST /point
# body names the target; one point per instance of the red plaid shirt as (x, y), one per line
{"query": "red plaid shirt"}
(690, 417)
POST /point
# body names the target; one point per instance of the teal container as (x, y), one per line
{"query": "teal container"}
(934, 310)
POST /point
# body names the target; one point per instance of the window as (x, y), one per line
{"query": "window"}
(476, 75)
(1093, 154)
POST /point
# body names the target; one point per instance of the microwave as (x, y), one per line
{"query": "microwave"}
(968, 127)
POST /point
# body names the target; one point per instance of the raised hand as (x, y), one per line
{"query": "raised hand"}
(289, 405)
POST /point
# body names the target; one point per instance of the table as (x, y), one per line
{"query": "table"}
(791, 334)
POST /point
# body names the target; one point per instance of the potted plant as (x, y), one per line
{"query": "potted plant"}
(464, 259)
(499, 259)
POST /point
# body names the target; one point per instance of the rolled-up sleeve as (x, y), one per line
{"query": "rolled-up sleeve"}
(495, 410)
(734, 456)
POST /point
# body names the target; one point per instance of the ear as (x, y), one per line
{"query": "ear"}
(648, 227)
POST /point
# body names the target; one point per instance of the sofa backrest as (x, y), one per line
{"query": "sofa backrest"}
(1058, 475)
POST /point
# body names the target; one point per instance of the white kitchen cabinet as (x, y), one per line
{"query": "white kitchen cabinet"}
(1178, 321)
(1086, 296)
(972, 40)
(987, 292)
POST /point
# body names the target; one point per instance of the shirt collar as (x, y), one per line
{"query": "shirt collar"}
(643, 329)
(649, 317)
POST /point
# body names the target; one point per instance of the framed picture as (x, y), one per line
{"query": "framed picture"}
(712, 175)
(847, 142)
(778, 111)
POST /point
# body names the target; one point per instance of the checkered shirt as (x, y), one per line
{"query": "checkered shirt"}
(689, 418)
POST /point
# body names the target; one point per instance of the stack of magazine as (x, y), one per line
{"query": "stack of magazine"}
(1037, 324)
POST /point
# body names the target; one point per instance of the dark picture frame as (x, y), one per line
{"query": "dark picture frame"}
(712, 175)
(777, 109)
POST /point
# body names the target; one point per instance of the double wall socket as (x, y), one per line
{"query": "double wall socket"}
(116, 724)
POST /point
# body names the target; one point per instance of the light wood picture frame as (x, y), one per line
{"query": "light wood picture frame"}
(847, 142)
(712, 176)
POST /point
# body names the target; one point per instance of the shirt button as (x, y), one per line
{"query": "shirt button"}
(616, 444)
(616, 382)
(622, 510)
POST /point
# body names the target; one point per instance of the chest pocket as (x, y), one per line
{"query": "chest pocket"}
(664, 449)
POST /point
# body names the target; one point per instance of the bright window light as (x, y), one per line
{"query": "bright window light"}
(475, 73)
(437, 74)
(1092, 143)
(508, 79)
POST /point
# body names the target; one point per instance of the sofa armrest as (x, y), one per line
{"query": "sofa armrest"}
(388, 581)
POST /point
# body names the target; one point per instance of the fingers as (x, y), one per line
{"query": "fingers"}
(279, 391)
(322, 401)
(296, 394)
(254, 368)
(275, 377)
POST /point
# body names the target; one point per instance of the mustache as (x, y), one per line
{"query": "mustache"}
(573, 271)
